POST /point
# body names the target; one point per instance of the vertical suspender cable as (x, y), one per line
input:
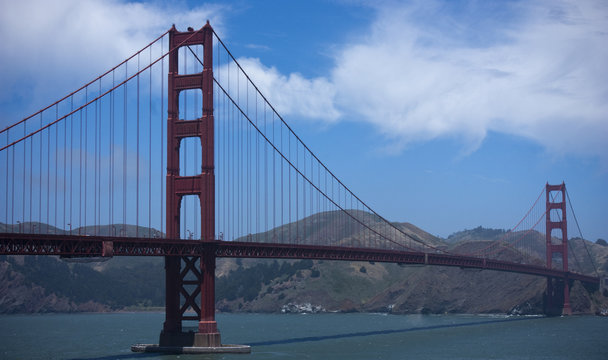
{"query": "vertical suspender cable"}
(266, 181)
(230, 173)
(222, 155)
(224, 145)
(137, 134)
(31, 170)
(228, 234)
(232, 198)
(257, 171)
(289, 203)
(257, 168)
(297, 193)
(318, 208)
(65, 129)
(247, 163)
(56, 161)
(162, 136)
(12, 167)
(184, 150)
(274, 183)
(195, 162)
(282, 184)
(326, 208)
(239, 166)
(111, 172)
(97, 135)
(124, 154)
(234, 171)
(150, 151)
(80, 225)
(23, 183)
(71, 157)
(248, 192)
(304, 197)
(226, 155)
(6, 175)
(100, 164)
(95, 154)
(312, 208)
(40, 178)
(86, 157)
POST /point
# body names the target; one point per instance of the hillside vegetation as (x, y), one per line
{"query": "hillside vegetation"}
(50, 284)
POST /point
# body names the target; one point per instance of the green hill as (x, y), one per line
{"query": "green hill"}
(51, 284)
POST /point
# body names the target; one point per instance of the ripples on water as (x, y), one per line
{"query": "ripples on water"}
(319, 336)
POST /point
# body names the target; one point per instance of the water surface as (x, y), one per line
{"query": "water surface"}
(319, 336)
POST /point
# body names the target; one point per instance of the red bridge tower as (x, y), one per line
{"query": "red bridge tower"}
(556, 204)
(190, 281)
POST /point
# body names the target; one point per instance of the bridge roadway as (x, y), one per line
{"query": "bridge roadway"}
(104, 246)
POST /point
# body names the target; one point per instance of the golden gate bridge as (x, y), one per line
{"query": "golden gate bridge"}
(179, 138)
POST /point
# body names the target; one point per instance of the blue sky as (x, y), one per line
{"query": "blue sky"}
(445, 114)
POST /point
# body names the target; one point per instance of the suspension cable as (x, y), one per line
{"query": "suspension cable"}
(298, 170)
(581, 234)
(499, 241)
(98, 97)
(86, 85)
(413, 237)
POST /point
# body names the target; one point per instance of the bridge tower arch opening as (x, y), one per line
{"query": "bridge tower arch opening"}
(558, 290)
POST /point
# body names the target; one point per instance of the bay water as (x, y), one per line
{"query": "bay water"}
(314, 336)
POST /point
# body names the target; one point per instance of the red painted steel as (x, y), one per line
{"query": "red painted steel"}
(74, 245)
(562, 248)
(201, 185)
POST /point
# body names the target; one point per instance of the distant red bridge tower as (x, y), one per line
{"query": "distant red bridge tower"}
(556, 204)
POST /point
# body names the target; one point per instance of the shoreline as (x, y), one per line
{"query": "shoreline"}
(160, 310)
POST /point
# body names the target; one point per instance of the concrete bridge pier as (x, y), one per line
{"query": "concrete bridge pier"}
(557, 297)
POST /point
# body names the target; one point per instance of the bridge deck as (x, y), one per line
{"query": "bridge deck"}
(104, 246)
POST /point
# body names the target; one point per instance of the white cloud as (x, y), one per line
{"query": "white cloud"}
(51, 47)
(418, 73)
(544, 78)
(290, 95)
